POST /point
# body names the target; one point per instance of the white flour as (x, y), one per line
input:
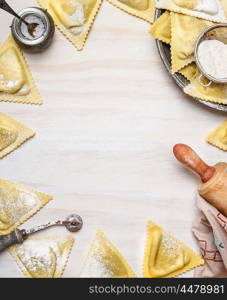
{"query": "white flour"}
(24, 90)
(170, 244)
(11, 84)
(38, 32)
(35, 255)
(208, 6)
(212, 55)
(28, 199)
(43, 257)
(15, 206)
(78, 17)
(95, 268)
(97, 264)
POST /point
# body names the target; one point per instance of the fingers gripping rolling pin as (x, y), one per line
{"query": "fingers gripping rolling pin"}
(213, 186)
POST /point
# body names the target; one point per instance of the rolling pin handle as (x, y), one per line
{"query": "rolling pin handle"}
(190, 158)
(10, 239)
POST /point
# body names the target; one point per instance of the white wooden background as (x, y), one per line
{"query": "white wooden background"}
(105, 132)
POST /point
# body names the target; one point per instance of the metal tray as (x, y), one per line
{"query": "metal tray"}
(181, 81)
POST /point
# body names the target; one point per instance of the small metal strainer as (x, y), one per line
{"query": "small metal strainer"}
(215, 32)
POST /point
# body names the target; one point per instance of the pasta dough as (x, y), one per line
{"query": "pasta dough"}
(218, 137)
(216, 92)
(74, 18)
(161, 29)
(16, 82)
(43, 257)
(165, 256)
(17, 204)
(12, 134)
(143, 9)
(212, 10)
(185, 31)
(190, 72)
(105, 261)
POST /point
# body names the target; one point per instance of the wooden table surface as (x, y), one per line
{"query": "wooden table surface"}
(104, 137)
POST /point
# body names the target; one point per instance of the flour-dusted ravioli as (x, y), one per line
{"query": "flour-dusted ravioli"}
(165, 256)
(216, 92)
(16, 82)
(185, 32)
(74, 18)
(143, 9)
(218, 137)
(161, 29)
(43, 257)
(17, 204)
(212, 10)
(190, 72)
(12, 134)
(105, 261)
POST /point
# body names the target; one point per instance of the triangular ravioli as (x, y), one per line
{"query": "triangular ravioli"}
(218, 137)
(165, 256)
(161, 29)
(8, 136)
(17, 204)
(12, 134)
(74, 18)
(43, 257)
(105, 261)
(16, 82)
(216, 92)
(143, 9)
(212, 10)
(185, 32)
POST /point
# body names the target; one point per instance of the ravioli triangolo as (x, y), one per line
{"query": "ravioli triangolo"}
(165, 256)
(74, 18)
(104, 260)
(16, 82)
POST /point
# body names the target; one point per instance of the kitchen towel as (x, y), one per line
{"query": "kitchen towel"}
(210, 229)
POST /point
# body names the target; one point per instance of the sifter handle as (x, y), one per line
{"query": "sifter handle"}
(10, 239)
(190, 158)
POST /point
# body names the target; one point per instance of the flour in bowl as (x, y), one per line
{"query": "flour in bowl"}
(212, 55)
(39, 30)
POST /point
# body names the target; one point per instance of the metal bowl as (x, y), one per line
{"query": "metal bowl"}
(207, 35)
(38, 44)
(181, 81)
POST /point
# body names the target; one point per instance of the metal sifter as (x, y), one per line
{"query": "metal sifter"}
(73, 223)
(215, 32)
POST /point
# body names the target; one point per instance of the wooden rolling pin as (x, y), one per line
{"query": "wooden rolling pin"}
(213, 187)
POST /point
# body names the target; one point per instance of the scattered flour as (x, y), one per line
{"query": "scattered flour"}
(14, 205)
(43, 257)
(78, 17)
(170, 245)
(35, 255)
(95, 268)
(39, 31)
(11, 84)
(29, 199)
(24, 90)
(208, 6)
